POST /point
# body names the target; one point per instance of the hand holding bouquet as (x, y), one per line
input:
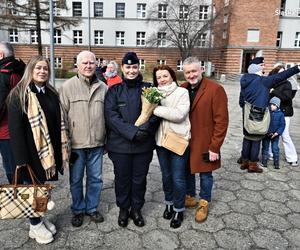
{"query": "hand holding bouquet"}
(151, 97)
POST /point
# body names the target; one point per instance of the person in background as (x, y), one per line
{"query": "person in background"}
(174, 111)
(82, 98)
(38, 134)
(286, 91)
(129, 147)
(276, 128)
(255, 90)
(11, 71)
(111, 74)
(209, 123)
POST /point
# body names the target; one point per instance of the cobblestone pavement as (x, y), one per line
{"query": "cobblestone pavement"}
(248, 211)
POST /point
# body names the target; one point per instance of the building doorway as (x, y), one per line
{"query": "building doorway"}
(248, 55)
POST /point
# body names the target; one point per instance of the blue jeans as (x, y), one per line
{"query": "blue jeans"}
(250, 150)
(7, 159)
(206, 185)
(173, 177)
(275, 149)
(91, 159)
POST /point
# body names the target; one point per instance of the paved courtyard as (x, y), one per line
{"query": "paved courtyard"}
(248, 211)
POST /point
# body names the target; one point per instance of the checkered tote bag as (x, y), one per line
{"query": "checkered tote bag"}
(24, 201)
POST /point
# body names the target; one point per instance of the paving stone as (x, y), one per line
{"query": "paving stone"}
(277, 185)
(11, 238)
(294, 184)
(273, 221)
(157, 239)
(252, 185)
(245, 207)
(232, 176)
(294, 219)
(194, 240)
(268, 239)
(219, 208)
(231, 239)
(249, 195)
(223, 195)
(274, 207)
(293, 236)
(278, 176)
(294, 205)
(275, 195)
(211, 225)
(295, 194)
(84, 239)
(239, 221)
(227, 185)
(122, 239)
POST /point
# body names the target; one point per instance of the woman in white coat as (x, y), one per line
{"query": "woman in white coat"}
(174, 111)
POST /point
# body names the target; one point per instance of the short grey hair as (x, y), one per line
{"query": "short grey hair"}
(114, 63)
(82, 54)
(191, 60)
(7, 49)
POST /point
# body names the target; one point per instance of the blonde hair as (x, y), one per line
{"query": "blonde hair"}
(20, 90)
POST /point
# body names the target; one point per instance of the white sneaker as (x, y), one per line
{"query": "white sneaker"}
(294, 164)
(40, 233)
(49, 225)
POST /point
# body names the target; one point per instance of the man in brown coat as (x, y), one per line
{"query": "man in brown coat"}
(209, 122)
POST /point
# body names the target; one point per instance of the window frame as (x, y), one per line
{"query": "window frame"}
(98, 36)
(120, 40)
(120, 13)
(57, 36)
(13, 35)
(77, 9)
(141, 10)
(140, 38)
(183, 11)
(33, 36)
(162, 11)
(161, 39)
(204, 13)
(297, 40)
(78, 37)
(98, 9)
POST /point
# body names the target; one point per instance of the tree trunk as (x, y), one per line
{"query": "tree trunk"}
(38, 27)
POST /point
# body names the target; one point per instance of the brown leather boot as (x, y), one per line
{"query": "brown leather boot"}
(254, 168)
(244, 164)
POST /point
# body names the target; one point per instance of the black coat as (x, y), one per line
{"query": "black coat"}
(122, 108)
(22, 141)
(284, 92)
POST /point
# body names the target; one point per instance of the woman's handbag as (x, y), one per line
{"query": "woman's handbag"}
(24, 201)
(256, 120)
(174, 142)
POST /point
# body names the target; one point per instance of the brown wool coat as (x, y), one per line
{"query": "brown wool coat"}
(209, 122)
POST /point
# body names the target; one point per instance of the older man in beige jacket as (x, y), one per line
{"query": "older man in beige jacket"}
(82, 97)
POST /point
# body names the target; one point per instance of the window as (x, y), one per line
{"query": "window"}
(297, 39)
(179, 65)
(75, 62)
(162, 10)
(224, 35)
(77, 8)
(77, 36)
(140, 38)
(299, 9)
(202, 65)
(203, 14)
(279, 39)
(225, 18)
(56, 8)
(183, 39)
(120, 10)
(202, 40)
(98, 37)
(183, 11)
(142, 64)
(33, 37)
(161, 39)
(161, 62)
(253, 35)
(141, 10)
(58, 63)
(57, 36)
(282, 6)
(120, 38)
(13, 35)
(98, 9)
(11, 8)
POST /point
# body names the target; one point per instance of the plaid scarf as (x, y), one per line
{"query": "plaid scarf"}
(39, 128)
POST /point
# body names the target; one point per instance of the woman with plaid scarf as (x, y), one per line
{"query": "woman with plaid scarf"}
(38, 133)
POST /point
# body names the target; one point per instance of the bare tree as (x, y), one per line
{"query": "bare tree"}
(185, 24)
(32, 14)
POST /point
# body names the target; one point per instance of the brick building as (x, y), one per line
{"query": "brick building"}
(242, 29)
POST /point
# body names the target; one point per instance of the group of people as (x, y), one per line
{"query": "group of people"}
(72, 128)
(272, 93)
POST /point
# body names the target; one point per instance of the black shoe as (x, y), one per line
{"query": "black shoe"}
(96, 217)
(177, 218)
(123, 217)
(239, 160)
(77, 220)
(168, 212)
(137, 218)
(276, 167)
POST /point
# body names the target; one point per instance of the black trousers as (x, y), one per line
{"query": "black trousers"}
(130, 178)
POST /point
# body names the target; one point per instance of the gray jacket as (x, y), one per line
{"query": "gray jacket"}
(84, 104)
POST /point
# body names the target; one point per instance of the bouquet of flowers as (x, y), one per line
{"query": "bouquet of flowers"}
(151, 97)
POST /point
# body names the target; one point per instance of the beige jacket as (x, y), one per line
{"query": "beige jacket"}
(84, 104)
(174, 110)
